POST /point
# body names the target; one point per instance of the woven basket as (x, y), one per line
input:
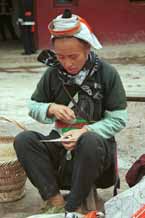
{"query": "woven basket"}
(12, 175)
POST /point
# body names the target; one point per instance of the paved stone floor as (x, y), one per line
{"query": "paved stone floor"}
(18, 78)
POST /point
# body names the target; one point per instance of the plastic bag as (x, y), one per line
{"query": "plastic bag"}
(125, 204)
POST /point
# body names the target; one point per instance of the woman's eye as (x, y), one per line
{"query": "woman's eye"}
(60, 57)
(73, 57)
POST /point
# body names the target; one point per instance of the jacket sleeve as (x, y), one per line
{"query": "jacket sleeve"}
(38, 111)
(111, 124)
(41, 99)
(115, 113)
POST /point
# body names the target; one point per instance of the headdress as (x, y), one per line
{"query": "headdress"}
(68, 24)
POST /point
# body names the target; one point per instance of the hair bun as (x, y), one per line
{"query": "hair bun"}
(67, 13)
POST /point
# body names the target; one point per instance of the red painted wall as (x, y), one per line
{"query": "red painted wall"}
(117, 21)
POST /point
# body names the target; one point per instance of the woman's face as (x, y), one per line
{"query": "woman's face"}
(71, 53)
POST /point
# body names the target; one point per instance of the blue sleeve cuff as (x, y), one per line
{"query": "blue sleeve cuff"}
(112, 123)
(39, 110)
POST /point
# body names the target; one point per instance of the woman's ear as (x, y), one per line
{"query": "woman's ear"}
(88, 48)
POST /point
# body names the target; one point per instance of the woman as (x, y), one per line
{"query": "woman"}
(85, 98)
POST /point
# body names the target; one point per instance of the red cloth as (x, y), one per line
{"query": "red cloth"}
(94, 214)
(140, 213)
(136, 172)
(60, 124)
(91, 214)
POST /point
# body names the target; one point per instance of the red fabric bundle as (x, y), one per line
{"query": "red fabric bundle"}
(136, 172)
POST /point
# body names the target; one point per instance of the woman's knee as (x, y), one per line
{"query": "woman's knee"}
(90, 142)
(22, 140)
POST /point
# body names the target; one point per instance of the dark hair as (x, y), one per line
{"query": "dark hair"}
(67, 13)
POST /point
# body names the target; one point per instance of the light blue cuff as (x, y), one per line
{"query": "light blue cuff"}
(112, 123)
(39, 110)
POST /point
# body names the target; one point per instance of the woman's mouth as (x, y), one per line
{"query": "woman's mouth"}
(72, 70)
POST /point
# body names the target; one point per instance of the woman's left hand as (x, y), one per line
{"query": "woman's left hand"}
(72, 136)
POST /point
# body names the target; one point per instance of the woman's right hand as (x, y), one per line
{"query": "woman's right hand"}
(61, 112)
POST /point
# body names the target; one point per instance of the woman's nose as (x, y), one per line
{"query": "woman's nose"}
(68, 63)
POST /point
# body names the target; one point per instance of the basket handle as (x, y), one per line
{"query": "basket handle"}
(12, 121)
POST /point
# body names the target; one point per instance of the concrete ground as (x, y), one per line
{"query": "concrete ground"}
(18, 78)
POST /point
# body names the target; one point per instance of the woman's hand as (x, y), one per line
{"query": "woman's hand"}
(61, 112)
(72, 136)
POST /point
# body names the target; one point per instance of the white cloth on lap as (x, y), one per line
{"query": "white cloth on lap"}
(58, 215)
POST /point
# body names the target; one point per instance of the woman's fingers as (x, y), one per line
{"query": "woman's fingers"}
(69, 146)
(62, 112)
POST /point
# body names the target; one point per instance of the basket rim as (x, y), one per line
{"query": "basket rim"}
(7, 163)
(7, 137)
(17, 124)
(8, 140)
